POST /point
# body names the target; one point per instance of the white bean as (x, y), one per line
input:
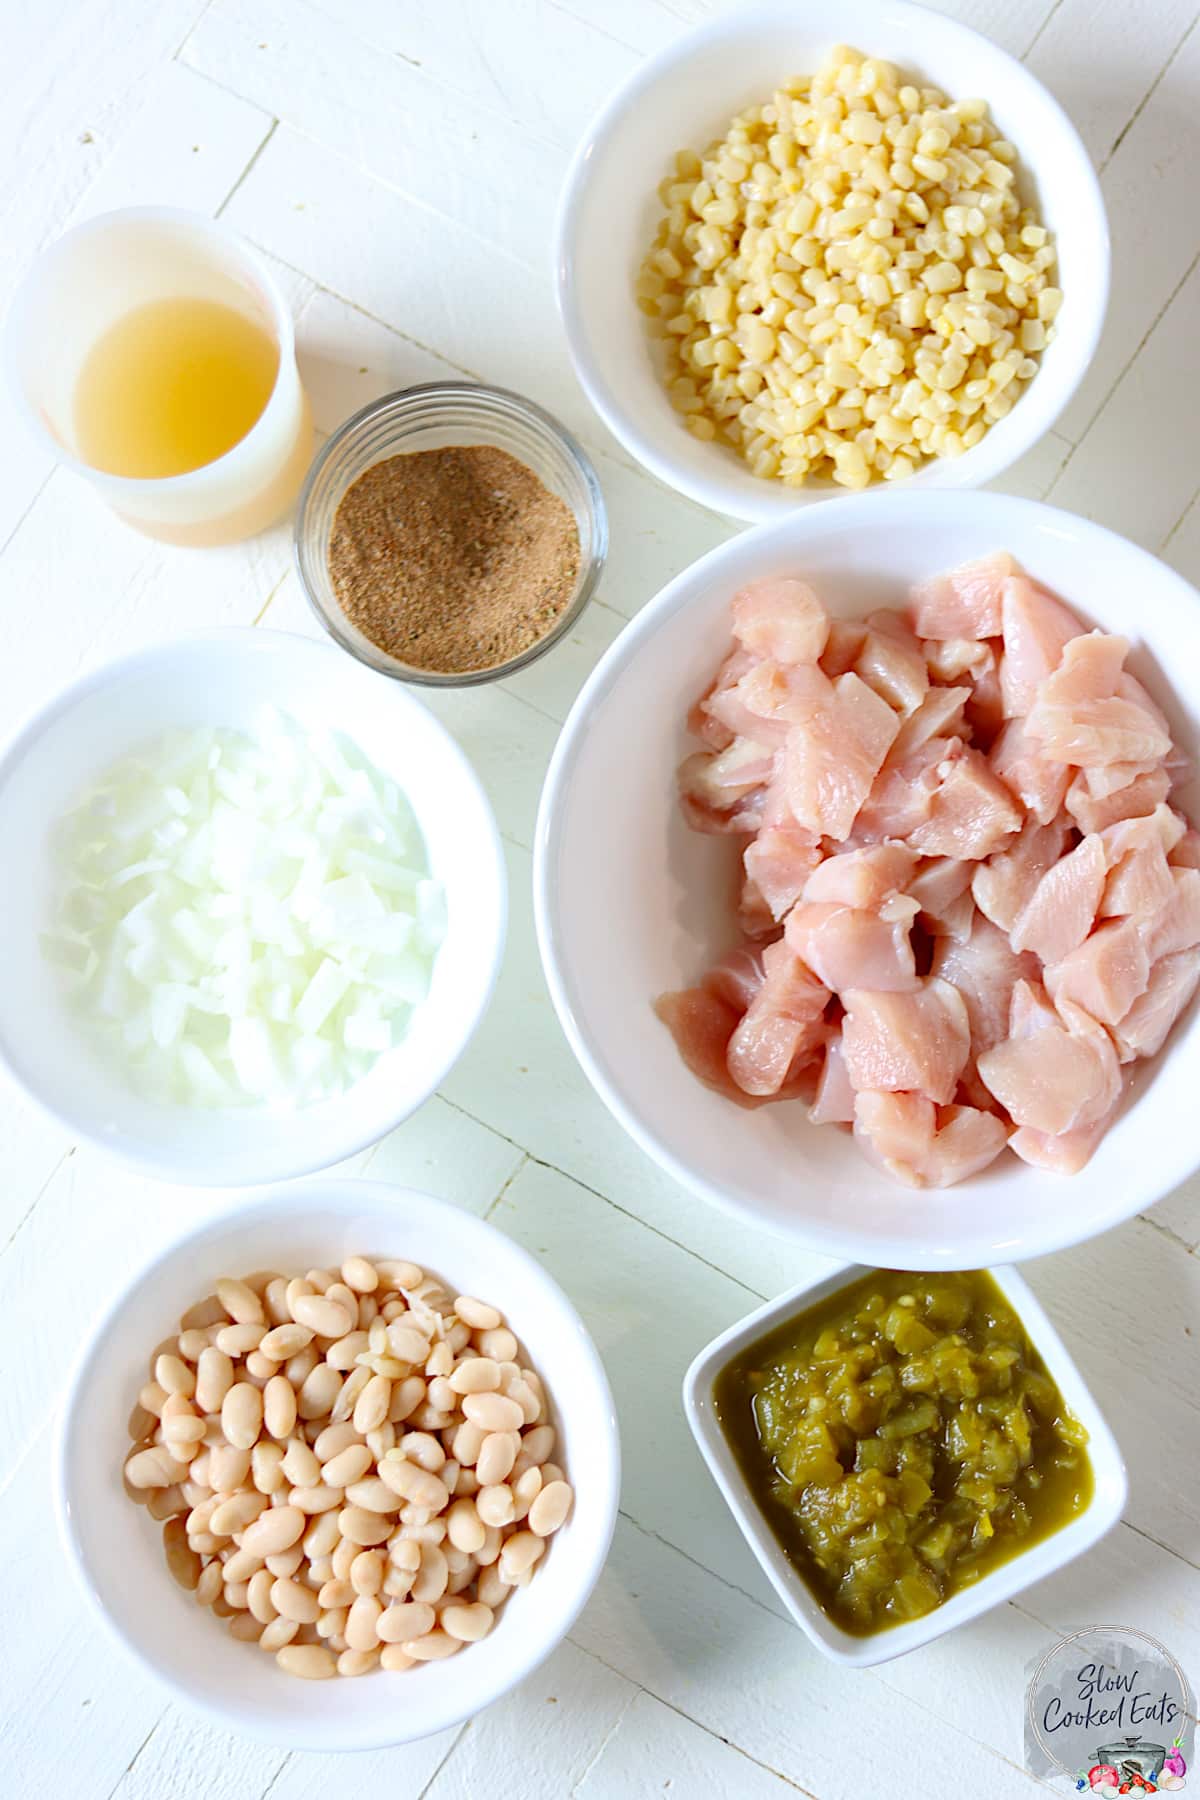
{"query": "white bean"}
(240, 1302)
(550, 1508)
(467, 1623)
(349, 1465)
(311, 1662)
(477, 1314)
(492, 1412)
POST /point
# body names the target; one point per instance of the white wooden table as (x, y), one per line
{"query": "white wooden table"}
(398, 161)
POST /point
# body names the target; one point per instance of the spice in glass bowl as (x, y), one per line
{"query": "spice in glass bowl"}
(453, 560)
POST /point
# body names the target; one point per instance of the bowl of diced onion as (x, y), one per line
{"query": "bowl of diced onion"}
(260, 911)
(770, 372)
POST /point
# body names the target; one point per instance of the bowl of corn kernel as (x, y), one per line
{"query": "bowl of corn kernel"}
(790, 269)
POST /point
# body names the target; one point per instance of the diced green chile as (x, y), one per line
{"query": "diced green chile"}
(903, 1438)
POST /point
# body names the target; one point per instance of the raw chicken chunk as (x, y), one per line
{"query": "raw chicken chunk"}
(1176, 924)
(1186, 854)
(1035, 628)
(737, 977)
(1139, 881)
(782, 620)
(778, 864)
(1140, 796)
(846, 639)
(782, 1026)
(1057, 1070)
(971, 812)
(1036, 781)
(1080, 718)
(1144, 1028)
(834, 754)
(891, 663)
(923, 1145)
(1062, 908)
(863, 878)
(985, 970)
(965, 603)
(702, 722)
(722, 791)
(902, 796)
(845, 947)
(1064, 1154)
(967, 904)
(984, 711)
(955, 659)
(942, 889)
(939, 715)
(1104, 974)
(702, 1023)
(834, 1102)
(917, 1042)
(767, 699)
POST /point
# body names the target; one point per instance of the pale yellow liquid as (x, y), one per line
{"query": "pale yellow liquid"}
(172, 386)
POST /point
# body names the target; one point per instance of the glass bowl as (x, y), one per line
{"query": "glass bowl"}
(435, 416)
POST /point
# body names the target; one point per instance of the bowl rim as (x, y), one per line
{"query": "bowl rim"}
(674, 597)
(395, 403)
(342, 1193)
(129, 489)
(980, 464)
(284, 1164)
(1034, 1563)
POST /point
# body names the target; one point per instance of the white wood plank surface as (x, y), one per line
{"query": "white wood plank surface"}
(399, 161)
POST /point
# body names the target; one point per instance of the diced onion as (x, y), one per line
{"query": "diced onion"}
(246, 918)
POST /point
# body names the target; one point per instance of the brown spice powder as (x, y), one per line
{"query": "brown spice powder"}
(453, 560)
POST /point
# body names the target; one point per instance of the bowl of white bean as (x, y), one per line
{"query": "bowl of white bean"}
(788, 267)
(347, 1430)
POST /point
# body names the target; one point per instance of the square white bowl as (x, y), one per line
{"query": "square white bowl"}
(1012, 1577)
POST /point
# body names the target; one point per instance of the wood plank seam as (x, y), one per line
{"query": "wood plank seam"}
(435, 80)
(1125, 369)
(129, 1766)
(542, 1162)
(1178, 525)
(636, 1689)
(874, 1675)
(611, 450)
(774, 1609)
(1136, 114)
(33, 500)
(287, 1758)
(463, 1730)
(507, 1183)
(1031, 46)
(25, 1217)
(267, 136)
(1165, 1231)
(682, 1713)
(1167, 1549)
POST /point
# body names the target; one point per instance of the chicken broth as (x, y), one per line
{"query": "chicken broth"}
(903, 1438)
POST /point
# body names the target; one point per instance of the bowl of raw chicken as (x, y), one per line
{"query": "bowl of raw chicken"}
(867, 884)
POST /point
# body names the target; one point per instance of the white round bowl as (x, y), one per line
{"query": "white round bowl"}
(222, 678)
(630, 903)
(683, 98)
(116, 1548)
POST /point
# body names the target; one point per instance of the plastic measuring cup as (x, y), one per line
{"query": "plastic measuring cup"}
(102, 270)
